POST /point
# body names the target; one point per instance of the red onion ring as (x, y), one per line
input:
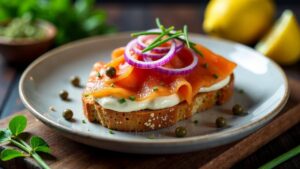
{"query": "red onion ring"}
(151, 64)
(181, 71)
(141, 43)
(147, 54)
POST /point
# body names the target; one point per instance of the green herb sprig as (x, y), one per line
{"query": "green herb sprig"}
(169, 33)
(11, 135)
(282, 158)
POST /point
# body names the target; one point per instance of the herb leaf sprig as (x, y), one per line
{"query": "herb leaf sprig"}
(282, 158)
(11, 135)
(181, 35)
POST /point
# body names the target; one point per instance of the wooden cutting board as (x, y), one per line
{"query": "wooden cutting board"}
(68, 154)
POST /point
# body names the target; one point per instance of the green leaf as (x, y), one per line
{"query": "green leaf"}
(3, 15)
(93, 23)
(60, 5)
(17, 125)
(27, 6)
(83, 7)
(37, 141)
(38, 144)
(9, 153)
(43, 149)
(5, 135)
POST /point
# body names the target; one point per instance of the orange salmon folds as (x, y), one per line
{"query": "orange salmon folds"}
(147, 84)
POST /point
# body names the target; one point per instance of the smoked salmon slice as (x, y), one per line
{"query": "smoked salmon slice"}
(147, 84)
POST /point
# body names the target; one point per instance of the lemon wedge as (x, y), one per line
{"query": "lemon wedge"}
(244, 21)
(282, 43)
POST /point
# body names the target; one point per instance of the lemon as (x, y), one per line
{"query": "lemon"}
(282, 43)
(243, 21)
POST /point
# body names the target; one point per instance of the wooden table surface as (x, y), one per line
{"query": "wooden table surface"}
(139, 17)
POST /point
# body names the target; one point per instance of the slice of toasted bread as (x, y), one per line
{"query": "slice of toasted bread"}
(145, 120)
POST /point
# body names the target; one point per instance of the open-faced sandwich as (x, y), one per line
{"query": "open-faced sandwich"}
(158, 79)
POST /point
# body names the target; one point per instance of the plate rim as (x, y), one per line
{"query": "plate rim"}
(185, 140)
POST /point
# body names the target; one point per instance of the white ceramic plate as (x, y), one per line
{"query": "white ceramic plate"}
(263, 82)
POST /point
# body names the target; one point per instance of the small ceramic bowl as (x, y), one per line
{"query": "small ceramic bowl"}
(22, 51)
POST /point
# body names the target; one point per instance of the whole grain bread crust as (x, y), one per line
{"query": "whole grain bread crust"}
(146, 120)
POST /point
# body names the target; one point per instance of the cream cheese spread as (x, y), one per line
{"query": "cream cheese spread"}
(161, 102)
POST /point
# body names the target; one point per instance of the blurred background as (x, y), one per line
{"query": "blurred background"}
(75, 19)
(29, 28)
(177, 1)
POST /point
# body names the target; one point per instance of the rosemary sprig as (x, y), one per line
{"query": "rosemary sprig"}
(168, 34)
(151, 46)
(185, 31)
(181, 35)
(145, 33)
(164, 33)
(159, 25)
(197, 51)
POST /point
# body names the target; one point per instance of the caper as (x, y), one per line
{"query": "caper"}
(241, 91)
(75, 80)
(63, 95)
(122, 100)
(111, 132)
(237, 109)
(180, 131)
(98, 74)
(205, 65)
(132, 98)
(68, 114)
(221, 122)
(110, 72)
(155, 89)
(215, 76)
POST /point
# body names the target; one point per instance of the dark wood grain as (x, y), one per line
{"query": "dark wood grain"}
(13, 102)
(282, 144)
(253, 142)
(7, 81)
(71, 155)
